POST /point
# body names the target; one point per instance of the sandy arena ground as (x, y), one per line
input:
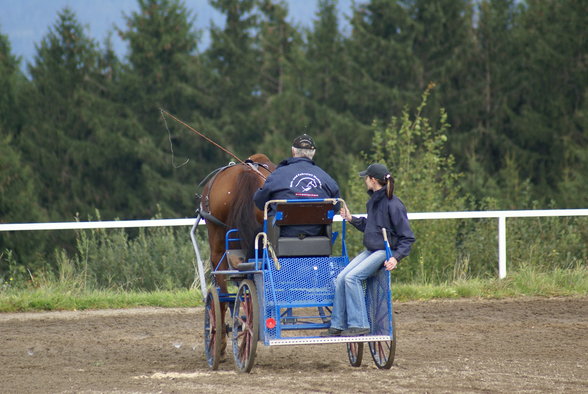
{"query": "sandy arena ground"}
(514, 345)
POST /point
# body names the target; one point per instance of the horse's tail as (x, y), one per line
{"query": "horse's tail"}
(242, 214)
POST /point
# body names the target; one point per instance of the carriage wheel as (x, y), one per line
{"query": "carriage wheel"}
(213, 332)
(355, 353)
(245, 326)
(383, 352)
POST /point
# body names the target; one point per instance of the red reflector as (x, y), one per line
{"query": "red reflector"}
(270, 323)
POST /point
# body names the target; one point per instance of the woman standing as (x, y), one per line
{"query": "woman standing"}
(384, 210)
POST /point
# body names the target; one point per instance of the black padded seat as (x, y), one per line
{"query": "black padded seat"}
(309, 246)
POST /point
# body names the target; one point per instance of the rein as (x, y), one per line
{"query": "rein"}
(164, 112)
(250, 163)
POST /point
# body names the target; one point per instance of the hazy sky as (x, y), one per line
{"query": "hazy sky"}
(26, 22)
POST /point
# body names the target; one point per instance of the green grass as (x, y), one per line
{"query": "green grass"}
(526, 282)
(58, 298)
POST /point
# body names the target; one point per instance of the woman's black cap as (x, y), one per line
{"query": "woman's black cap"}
(376, 170)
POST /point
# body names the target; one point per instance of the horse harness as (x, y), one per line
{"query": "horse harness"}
(203, 203)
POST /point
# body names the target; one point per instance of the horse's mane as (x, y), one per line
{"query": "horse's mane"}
(242, 214)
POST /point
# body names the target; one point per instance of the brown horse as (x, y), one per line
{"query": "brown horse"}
(228, 198)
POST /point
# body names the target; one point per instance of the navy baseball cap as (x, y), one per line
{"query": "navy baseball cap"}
(376, 170)
(303, 142)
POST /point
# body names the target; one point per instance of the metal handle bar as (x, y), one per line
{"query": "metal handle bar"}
(387, 244)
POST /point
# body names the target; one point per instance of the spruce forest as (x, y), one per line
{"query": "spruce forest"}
(473, 104)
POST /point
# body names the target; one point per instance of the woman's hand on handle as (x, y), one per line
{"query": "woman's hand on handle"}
(391, 263)
(344, 212)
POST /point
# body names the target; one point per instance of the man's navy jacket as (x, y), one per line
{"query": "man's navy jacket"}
(297, 177)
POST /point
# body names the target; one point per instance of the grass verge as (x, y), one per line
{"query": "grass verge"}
(58, 298)
(525, 282)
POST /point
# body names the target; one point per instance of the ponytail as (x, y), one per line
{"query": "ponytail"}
(388, 183)
(389, 186)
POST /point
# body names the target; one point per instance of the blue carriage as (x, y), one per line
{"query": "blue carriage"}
(285, 294)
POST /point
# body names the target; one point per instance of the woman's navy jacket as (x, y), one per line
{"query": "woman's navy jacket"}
(388, 214)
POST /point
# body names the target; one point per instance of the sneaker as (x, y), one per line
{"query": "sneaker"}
(331, 332)
(355, 331)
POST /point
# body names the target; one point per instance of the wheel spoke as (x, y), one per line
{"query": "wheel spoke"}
(244, 344)
(212, 330)
(383, 353)
(242, 334)
(245, 326)
(211, 344)
(384, 350)
(244, 349)
(355, 353)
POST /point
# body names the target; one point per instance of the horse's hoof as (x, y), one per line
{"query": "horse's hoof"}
(223, 354)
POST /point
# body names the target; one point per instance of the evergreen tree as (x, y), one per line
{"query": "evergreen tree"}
(480, 117)
(442, 35)
(572, 188)
(18, 204)
(383, 67)
(325, 58)
(18, 194)
(280, 45)
(284, 111)
(547, 136)
(86, 149)
(233, 60)
(63, 67)
(444, 44)
(338, 133)
(164, 72)
(10, 81)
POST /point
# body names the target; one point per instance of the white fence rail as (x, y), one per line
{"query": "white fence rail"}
(500, 215)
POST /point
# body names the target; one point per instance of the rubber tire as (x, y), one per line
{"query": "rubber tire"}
(212, 329)
(245, 326)
(355, 353)
(383, 353)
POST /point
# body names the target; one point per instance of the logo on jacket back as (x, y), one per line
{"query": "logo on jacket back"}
(304, 184)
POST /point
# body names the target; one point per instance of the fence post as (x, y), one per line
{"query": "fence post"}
(502, 246)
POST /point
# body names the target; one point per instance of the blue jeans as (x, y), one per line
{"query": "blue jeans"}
(349, 309)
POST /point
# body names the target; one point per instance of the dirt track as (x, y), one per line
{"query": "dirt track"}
(522, 345)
